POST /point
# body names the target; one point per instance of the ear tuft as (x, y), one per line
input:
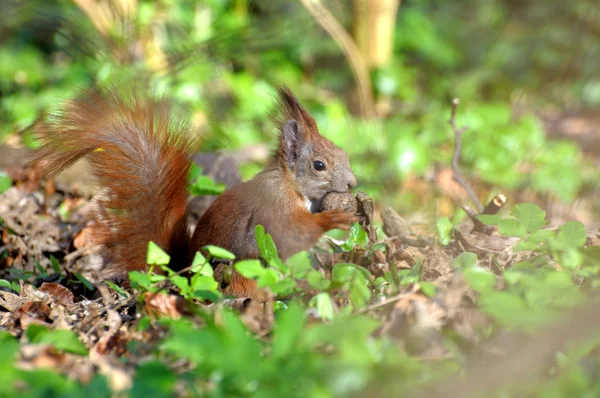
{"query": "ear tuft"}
(289, 142)
(291, 109)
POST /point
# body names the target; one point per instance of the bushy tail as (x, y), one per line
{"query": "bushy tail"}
(141, 158)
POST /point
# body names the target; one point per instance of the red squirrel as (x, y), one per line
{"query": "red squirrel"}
(142, 160)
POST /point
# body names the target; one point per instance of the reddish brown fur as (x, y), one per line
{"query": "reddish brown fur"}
(144, 163)
(139, 155)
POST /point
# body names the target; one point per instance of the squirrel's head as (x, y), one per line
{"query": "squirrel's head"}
(317, 165)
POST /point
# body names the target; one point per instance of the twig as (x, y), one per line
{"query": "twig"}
(492, 207)
(350, 50)
(458, 177)
(383, 303)
(84, 251)
(420, 241)
(495, 204)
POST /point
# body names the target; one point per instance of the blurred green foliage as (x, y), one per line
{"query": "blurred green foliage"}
(221, 61)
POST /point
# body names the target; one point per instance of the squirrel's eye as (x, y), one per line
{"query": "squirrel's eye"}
(318, 165)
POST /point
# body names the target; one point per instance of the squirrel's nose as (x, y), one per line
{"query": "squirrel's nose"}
(351, 180)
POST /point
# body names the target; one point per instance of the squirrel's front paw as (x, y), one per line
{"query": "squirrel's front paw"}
(336, 219)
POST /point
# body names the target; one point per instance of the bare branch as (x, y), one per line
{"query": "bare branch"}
(350, 50)
(492, 207)
(458, 177)
(495, 204)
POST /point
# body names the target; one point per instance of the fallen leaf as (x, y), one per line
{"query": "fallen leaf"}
(58, 292)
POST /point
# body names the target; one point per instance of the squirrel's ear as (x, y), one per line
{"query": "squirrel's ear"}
(288, 143)
(291, 109)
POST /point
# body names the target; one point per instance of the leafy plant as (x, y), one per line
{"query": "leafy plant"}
(539, 287)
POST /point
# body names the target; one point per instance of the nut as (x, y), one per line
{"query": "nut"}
(339, 200)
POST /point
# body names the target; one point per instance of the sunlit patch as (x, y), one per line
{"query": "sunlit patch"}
(406, 160)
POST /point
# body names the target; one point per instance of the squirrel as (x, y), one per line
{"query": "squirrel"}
(142, 159)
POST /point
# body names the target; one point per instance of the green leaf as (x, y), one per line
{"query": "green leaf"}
(571, 259)
(97, 388)
(571, 235)
(156, 256)
(489, 219)
(182, 283)
(358, 237)
(200, 266)
(88, 285)
(512, 227)
(444, 230)
(534, 240)
(288, 329)
(276, 263)
(265, 243)
(284, 286)
(512, 277)
(359, 295)
(5, 283)
(39, 268)
(428, 288)
(153, 379)
(480, 279)
(316, 280)
(345, 272)
(506, 307)
(530, 216)
(140, 280)
(465, 260)
(116, 288)
(250, 268)
(299, 264)
(204, 282)
(16, 286)
(195, 171)
(199, 262)
(219, 253)
(268, 278)
(208, 295)
(324, 305)
(203, 184)
(54, 264)
(62, 340)
(9, 347)
(5, 182)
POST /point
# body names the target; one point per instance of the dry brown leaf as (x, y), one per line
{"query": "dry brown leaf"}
(60, 294)
(30, 292)
(259, 316)
(49, 358)
(111, 340)
(33, 312)
(166, 304)
(416, 321)
(11, 301)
